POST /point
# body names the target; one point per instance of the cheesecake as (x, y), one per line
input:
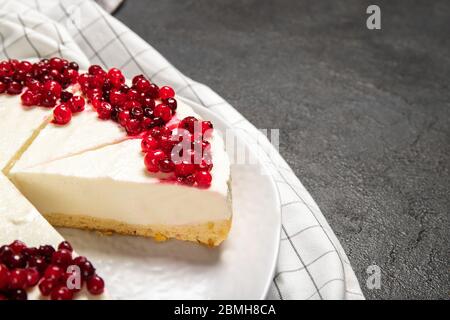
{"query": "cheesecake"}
(20, 220)
(107, 188)
(91, 151)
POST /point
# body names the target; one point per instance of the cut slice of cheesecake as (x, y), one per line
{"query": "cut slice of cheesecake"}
(109, 189)
(19, 220)
(77, 178)
(85, 132)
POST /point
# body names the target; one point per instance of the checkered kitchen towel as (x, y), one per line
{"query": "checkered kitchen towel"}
(312, 263)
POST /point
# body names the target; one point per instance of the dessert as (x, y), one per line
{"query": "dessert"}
(113, 155)
(25, 272)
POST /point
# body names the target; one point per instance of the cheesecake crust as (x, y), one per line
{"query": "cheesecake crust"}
(211, 233)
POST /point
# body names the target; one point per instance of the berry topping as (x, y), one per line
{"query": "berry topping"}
(203, 178)
(166, 92)
(46, 268)
(95, 285)
(4, 277)
(62, 114)
(61, 293)
(14, 87)
(172, 103)
(18, 279)
(33, 277)
(141, 108)
(62, 257)
(18, 294)
(30, 98)
(149, 143)
(184, 168)
(17, 246)
(65, 245)
(86, 267)
(104, 110)
(163, 111)
(76, 104)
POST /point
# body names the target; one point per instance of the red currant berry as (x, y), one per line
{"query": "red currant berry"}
(33, 277)
(4, 277)
(163, 111)
(65, 245)
(18, 294)
(172, 103)
(56, 63)
(53, 272)
(104, 110)
(17, 260)
(203, 178)
(76, 104)
(86, 267)
(30, 98)
(95, 285)
(133, 127)
(46, 286)
(14, 87)
(184, 168)
(52, 87)
(3, 87)
(166, 92)
(153, 91)
(61, 293)
(188, 123)
(149, 143)
(142, 85)
(17, 246)
(116, 97)
(18, 279)
(166, 165)
(62, 257)
(152, 158)
(207, 128)
(62, 114)
(116, 77)
(124, 116)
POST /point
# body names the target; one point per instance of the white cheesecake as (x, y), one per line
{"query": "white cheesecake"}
(20, 220)
(89, 174)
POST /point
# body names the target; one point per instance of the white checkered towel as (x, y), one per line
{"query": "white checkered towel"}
(312, 263)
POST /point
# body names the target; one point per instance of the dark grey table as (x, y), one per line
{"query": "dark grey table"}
(364, 115)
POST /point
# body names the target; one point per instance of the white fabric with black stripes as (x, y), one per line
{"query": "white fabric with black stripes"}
(312, 263)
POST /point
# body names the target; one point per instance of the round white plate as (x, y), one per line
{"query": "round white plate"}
(241, 268)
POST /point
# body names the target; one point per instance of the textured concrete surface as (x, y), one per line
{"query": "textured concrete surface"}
(364, 115)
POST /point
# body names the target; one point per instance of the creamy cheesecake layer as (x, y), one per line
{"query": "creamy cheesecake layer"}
(19, 125)
(83, 133)
(112, 183)
(20, 221)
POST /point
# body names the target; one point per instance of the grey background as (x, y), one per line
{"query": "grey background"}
(364, 115)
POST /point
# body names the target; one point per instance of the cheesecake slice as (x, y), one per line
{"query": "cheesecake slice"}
(77, 178)
(96, 166)
(108, 189)
(19, 220)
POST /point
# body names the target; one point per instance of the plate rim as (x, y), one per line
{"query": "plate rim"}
(270, 277)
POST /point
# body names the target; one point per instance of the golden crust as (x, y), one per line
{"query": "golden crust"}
(208, 233)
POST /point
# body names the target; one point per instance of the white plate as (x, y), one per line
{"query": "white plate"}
(241, 268)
